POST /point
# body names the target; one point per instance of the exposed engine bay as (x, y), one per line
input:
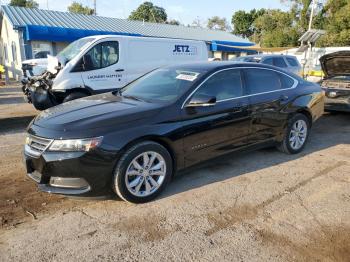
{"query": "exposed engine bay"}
(37, 90)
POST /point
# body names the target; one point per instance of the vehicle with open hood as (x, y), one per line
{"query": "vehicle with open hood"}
(336, 82)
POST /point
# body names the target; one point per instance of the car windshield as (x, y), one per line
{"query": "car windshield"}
(74, 49)
(162, 85)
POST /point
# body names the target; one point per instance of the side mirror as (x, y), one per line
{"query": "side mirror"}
(202, 100)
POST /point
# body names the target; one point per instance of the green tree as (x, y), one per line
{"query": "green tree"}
(242, 22)
(196, 23)
(336, 23)
(276, 29)
(218, 23)
(173, 22)
(78, 8)
(150, 13)
(300, 9)
(24, 3)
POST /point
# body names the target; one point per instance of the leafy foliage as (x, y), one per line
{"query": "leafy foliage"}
(243, 22)
(24, 3)
(149, 12)
(173, 22)
(218, 23)
(78, 8)
(276, 28)
(336, 22)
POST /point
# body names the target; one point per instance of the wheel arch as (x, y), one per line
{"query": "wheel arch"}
(163, 141)
(307, 113)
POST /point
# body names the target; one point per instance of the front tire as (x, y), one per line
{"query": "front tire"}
(143, 172)
(296, 135)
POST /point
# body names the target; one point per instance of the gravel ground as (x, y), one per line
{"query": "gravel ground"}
(254, 206)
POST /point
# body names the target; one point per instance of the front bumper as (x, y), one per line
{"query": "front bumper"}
(72, 173)
(337, 100)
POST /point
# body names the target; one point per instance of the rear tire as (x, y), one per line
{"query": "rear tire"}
(73, 96)
(143, 172)
(296, 136)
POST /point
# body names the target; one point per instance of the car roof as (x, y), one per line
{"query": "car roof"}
(218, 65)
(269, 55)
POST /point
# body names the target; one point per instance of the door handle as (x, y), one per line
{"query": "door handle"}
(284, 98)
(239, 107)
(119, 70)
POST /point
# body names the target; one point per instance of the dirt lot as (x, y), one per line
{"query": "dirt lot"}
(257, 206)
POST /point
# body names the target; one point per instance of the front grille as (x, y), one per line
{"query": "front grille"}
(336, 84)
(35, 146)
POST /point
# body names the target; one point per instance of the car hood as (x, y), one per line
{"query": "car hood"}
(336, 64)
(94, 112)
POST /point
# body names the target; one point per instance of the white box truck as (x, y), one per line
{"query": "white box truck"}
(97, 64)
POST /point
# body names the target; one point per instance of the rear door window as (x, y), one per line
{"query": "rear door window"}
(279, 62)
(261, 80)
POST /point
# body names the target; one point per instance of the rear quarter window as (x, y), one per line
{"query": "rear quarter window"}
(262, 80)
(286, 81)
(292, 61)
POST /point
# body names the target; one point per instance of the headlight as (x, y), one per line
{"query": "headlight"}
(75, 145)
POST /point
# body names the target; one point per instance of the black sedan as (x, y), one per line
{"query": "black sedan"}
(132, 141)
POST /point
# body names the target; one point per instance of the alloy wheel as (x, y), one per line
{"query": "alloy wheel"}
(145, 174)
(298, 134)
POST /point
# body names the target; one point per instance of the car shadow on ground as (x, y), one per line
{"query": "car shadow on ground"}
(14, 124)
(329, 131)
(12, 100)
(12, 89)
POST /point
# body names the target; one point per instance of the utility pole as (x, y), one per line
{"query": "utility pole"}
(95, 12)
(313, 3)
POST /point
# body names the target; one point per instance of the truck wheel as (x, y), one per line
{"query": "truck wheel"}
(142, 172)
(73, 96)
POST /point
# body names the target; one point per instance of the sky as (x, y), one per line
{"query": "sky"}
(184, 11)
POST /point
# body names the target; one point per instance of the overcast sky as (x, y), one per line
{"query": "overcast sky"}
(183, 10)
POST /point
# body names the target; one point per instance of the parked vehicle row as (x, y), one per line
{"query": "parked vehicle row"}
(133, 140)
(287, 62)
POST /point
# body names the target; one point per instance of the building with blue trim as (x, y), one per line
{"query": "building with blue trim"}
(28, 33)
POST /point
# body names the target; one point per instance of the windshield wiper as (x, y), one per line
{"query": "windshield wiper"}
(117, 92)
